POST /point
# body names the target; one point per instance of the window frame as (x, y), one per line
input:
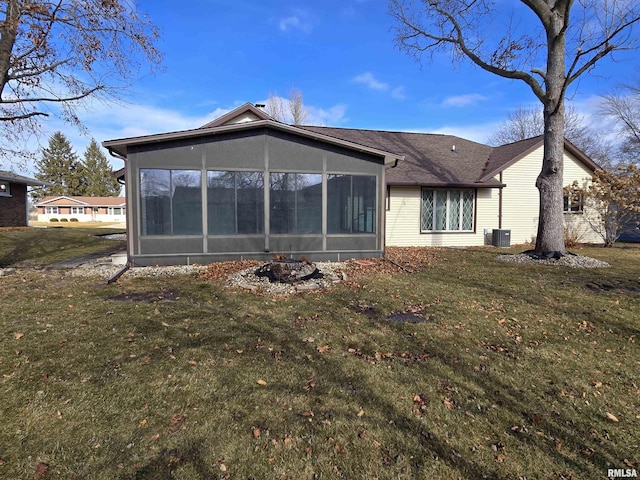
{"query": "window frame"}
(173, 214)
(76, 210)
(358, 210)
(570, 207)
(446, 220)
(293, 214)
(237, 202)
(51, 210)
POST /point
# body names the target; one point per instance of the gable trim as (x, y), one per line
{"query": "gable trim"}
(120, 146)
(236, 112)
(568, 147)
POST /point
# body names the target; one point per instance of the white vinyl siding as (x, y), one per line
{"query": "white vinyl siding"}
(404, 217)
(521, 199)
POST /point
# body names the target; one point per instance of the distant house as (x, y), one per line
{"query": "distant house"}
(14, 200)
(81, 209)
(247, 186)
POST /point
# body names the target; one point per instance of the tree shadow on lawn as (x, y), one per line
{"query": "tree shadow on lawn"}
(531, 408)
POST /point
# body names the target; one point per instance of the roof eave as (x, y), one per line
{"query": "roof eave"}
(120, 146)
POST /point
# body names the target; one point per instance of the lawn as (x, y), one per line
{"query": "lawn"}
(34, 247)
(516, 371)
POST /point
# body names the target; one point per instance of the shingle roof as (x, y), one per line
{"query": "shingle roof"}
(13, 177)
(80, 201)
(430, 159)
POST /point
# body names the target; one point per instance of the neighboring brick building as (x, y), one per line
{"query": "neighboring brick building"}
(13, 198)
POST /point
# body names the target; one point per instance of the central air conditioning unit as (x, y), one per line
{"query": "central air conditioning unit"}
(501, 238)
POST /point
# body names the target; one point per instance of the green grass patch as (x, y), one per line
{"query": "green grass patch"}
(42, 246)
(519, 371)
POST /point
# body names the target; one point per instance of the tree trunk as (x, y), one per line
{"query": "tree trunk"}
(550, 238)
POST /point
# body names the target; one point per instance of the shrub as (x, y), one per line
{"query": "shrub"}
(64, 220)
(73, 219)
(51, 220)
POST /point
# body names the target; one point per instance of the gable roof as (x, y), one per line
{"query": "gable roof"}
(120, 147)
(506, 155)
(429, 159)
(15, 178)
(81, 201)
(244, 113)
(417, 158)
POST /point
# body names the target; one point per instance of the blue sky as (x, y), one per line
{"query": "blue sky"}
(339, 54)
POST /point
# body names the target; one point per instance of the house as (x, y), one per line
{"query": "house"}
(247, 186)
(449, 191)
(81, 209)
(14, 211)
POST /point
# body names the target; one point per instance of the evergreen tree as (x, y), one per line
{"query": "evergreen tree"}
(60, 166)
(100, 181)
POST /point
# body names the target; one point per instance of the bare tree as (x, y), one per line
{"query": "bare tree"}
(624, 108)
(527, 122)
(54, 54)
(294, 112)
(567, 40)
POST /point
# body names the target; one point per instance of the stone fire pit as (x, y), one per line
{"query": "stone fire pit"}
(288, 270)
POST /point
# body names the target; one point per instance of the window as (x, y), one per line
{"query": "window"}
(51, 210)
(296, 202)
(235, 203)
(116, 211)
(447, 210)
(171, 202)
(5, 191)
(573, 203)
(351, 204)
(77, 210)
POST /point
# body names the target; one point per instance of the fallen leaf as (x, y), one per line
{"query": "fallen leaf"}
(362, 434)
(612, 417)
(322, 349)
(262, 383)
(449, 403)
(223, 467)
(143, 422)
(256, 433)
(41, 469)
(360, 413)
(307, 413)
(18, 335)
(177, 422)
(287, 441)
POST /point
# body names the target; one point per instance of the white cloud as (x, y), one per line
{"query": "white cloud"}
(299, 20)
(327, 116)
(477, 133)
(467, 100)
(398, 93)
(370, 81)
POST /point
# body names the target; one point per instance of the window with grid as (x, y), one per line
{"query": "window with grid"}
(573, 203)
(447, 210)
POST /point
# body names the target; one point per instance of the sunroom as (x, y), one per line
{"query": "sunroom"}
(251, 190)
